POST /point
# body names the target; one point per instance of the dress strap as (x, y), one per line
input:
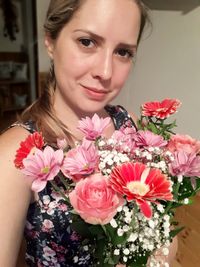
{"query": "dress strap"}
(29, 125)
(120, 116)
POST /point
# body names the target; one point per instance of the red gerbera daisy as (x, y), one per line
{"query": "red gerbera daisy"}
(34, 140)
(138, 182)
(160, 110)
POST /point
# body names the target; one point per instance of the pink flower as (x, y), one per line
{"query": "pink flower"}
(149, 139)
(187, 164)
(160, 110)
(142, 184)
(42, 166)
(79, 161)
(27, 146)
(93, 127)
(62, 143)
(183, 142)
(94, 200)
(125, 137)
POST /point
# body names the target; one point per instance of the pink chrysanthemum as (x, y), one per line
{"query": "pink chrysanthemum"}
(34, 140)
(149, 139)
(42, 166)
(187, 164)
(82, 160)
(142, 184)
(160, 110)
(186, 143)
(93, 127)
(125, 137)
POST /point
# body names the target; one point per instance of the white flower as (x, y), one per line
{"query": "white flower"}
(120, 232)
(116, 252)
(160, 208)
(180, 178)
(165, 251)
(126, 251)
(151, 223)
(132, 237)
(119, 209)
(125, 209)
(186, 201)
(101, 143)
(126, 228)
(125, 259)
(102, 165)
(113, 223)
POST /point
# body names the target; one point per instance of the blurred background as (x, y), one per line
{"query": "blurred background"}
(167, 65)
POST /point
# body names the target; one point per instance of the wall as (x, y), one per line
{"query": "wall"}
(43, 58)
(168, 63)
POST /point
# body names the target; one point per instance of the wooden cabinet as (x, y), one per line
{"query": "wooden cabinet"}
(14, 95)
(14, 86)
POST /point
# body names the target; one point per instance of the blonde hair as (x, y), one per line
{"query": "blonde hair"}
(41, 112)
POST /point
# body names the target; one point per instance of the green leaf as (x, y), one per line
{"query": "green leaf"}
(81, 228)
(115, 239)
(174, 232)
(153, 128)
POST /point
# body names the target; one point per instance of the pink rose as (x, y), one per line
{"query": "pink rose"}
(94, 200)
(183, 142)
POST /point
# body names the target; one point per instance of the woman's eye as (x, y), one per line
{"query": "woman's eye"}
(86, 42)
(126, 53)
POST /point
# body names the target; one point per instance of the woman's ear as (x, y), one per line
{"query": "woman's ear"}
(49, 44)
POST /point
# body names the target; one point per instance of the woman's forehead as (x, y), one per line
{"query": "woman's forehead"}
(108, 17)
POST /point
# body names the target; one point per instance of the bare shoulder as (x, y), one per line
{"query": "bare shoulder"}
(15, 196)
(9, 143)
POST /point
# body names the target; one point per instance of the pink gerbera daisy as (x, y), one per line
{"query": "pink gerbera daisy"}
(42, 166)
(79, 161)
(93, 127)
(160, 110)
(138, 182)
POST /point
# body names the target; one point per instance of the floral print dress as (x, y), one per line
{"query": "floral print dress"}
(50, 239)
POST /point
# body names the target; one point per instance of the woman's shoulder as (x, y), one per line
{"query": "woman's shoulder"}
(9, 143)
(12, 137)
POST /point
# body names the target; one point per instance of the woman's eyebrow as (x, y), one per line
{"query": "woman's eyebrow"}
(101, 39)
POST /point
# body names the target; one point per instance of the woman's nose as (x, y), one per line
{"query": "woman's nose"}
(103, 68)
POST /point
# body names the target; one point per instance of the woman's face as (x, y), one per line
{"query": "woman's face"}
(93, 54)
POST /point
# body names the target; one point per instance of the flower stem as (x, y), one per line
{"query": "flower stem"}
(105, 231)
(66, 185)
(176, 190)
(57, 189)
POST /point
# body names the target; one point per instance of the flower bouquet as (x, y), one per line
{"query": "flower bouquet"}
(122, 190)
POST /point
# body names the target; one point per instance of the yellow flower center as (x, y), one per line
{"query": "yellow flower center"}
(45, 170)
(138, 188)
(86, 166)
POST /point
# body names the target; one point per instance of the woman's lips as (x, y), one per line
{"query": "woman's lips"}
(94, 93)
